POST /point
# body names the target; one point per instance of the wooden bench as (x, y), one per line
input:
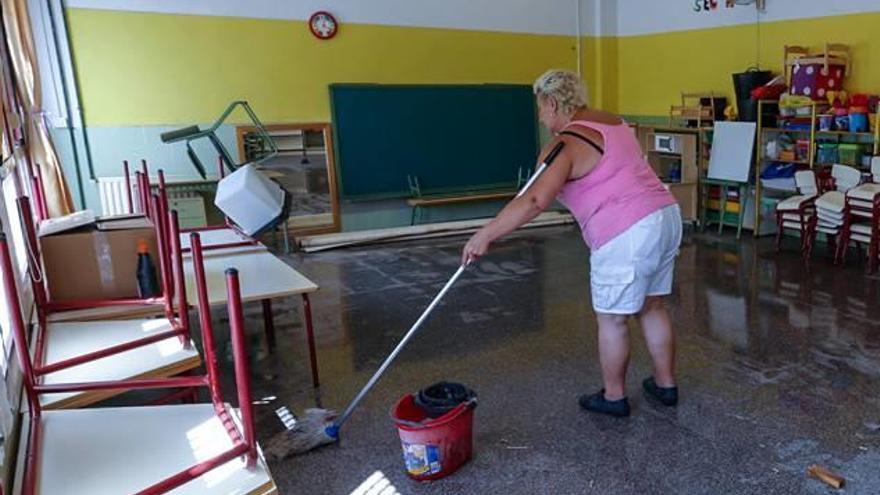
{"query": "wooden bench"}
(418, 200)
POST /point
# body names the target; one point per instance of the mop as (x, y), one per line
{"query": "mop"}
(318, 427)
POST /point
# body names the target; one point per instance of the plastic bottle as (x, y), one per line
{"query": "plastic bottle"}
(148, 286)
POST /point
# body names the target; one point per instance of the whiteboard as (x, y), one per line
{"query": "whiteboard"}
(732, 146)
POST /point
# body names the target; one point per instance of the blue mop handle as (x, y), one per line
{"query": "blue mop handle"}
(333, 430)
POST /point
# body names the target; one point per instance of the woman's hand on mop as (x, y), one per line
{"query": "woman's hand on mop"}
(477, 246)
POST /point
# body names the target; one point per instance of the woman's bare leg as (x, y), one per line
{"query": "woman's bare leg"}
(660, 339)
(613, 354)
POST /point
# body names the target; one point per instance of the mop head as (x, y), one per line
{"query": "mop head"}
(311, 430)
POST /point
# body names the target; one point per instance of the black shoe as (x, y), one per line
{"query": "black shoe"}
(599, 404)
(668, 396)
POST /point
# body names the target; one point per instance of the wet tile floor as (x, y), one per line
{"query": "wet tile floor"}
(779, 368)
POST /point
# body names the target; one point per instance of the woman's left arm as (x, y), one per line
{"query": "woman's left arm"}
(524, 208)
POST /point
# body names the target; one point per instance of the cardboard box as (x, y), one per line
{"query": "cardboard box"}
(97, 261)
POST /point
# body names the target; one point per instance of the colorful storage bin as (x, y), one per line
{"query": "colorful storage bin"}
(850, 154)
(858, 122)
(826, 153)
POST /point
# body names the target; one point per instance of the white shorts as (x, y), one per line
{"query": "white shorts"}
(637, 263)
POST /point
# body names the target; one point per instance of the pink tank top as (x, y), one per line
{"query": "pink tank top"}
(620, 190)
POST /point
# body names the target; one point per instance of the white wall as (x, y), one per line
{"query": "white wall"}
(636, 17)
(525, 16)
(599, 17)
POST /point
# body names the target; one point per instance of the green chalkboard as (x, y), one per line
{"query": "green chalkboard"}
(453, 138)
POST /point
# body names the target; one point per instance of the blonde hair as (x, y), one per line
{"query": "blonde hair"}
(565, 87)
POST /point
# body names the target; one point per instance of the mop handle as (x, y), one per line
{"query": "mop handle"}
(412, 331)
(399, 348)
(547, 161)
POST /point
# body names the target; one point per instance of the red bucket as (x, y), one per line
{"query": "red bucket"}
(434, 448)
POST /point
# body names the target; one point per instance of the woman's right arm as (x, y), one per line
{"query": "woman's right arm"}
(523, 209)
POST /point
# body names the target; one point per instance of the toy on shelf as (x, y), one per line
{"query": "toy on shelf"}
(773, 90)
(730, 113)
(858, 113)
(813, 75)
(796, 112)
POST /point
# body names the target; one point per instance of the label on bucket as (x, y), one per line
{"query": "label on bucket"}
(421, 460)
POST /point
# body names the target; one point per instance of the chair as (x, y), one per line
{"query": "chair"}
(39, 192)
(830, 205)
(798, 212)
(862, 218)
(226, 237)
(178, 446)
(222, 236)
(144, 189)
(71, 351)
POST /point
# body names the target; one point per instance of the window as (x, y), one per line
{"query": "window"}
(11, 381)
(15, 239)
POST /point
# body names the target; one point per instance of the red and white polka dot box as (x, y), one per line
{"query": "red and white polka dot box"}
(815, 80)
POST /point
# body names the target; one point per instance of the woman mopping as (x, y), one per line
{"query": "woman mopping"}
(631, 223)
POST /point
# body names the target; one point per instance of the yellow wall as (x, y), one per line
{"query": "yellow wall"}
(654, 69)
(599, 62)
(140, 68)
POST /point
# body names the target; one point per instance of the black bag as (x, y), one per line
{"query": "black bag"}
(743, 84)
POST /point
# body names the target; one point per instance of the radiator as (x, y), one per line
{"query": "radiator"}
(114, 201)
(185, 200)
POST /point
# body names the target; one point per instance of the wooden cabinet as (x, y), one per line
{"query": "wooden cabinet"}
(674, 154)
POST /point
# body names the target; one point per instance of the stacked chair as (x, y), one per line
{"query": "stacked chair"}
(862, 218)
(198, 448)
(173, 443)
(819, 206)
(68, 349)
(831, 205)
(798, 212)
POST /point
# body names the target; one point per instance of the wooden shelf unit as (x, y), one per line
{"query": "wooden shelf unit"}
(686, 152)
(815, 136)
(762, 161)
(693, 109)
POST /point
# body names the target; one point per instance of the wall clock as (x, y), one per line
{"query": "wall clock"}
(323, 25)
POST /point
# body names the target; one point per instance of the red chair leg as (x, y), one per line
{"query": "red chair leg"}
(872, 256)
(809, 239)
(840, 251)
(834, 246)
(779, 228)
